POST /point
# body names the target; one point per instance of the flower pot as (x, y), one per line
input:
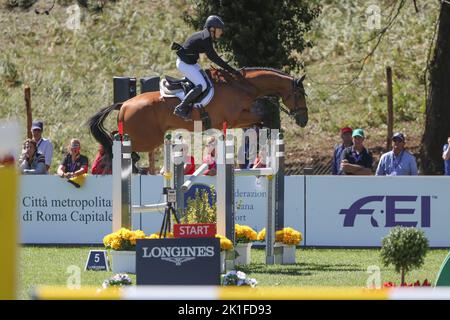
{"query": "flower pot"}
(123, 261)
(226, 260)
(284, 253)
(244, 251)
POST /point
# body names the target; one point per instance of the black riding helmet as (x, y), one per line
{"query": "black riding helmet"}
(214, 22)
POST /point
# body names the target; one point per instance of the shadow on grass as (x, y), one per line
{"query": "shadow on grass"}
(299, 269)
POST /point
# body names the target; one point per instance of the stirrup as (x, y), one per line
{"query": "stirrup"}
(182, 115)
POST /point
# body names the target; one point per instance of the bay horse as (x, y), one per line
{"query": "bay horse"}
(146, 117)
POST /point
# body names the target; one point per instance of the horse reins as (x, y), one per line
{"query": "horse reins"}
(295, 91)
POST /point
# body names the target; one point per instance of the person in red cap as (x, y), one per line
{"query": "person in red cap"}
(346, 136)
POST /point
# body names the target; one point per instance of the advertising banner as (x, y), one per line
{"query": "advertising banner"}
(193, 261)
(360, 211)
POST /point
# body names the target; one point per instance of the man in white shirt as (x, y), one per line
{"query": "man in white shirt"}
(44, 146)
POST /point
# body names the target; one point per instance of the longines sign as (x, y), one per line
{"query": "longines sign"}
(188, 261)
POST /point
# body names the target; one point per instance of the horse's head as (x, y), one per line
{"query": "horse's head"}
(295, 100)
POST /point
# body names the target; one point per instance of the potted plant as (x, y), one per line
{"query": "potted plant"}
(118, 280)
(226, 250)
(286, 241)
(122, 245)
(244, 236)
(405, 248)
(199, 209)
(238, 278)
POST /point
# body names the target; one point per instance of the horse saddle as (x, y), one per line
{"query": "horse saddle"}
(170, 86)
(179, 84)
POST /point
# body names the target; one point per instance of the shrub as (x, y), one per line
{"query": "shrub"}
(8, 73)
(405, 248)
(199, 209)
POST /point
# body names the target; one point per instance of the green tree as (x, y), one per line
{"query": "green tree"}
(269, 33)
(437, 130)
(260, 33)
(405, 248)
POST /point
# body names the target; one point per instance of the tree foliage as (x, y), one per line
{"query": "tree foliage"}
(260, 33)
(405, 248)
(437, 126)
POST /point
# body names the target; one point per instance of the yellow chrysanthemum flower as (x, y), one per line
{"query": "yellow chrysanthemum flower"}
(116, 244)
(225, 243)
(107, 240)
(123, 239)
(157, 235)
(261, 235)
(288, 236)
(244, 233)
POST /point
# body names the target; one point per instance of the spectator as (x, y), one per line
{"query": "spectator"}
(398, 162)
(189, 162)
(102, 163)
(74, 164)
(31, 161)
(346, 136)
(446, 157)
(261, 159)
(44, 146)
(210, 156)
(356, 159)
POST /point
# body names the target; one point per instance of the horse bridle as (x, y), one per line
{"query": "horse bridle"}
(296, 90)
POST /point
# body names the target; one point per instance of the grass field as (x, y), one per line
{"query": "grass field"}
(315, 267)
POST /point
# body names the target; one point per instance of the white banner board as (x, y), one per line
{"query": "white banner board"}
(340, 211)
(360, 211)
(53, 211)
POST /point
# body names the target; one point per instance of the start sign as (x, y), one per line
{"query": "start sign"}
(194, 230)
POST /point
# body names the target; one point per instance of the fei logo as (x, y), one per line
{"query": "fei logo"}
(391, 210)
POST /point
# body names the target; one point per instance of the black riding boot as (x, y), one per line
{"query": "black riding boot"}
(182, 110)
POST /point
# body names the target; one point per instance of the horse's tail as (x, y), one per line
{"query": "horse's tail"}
(99, 132)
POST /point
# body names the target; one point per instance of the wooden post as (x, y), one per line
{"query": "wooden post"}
(390, 105)
(27, 95)
(151, 162)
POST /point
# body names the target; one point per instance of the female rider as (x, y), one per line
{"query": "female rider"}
(188, 55)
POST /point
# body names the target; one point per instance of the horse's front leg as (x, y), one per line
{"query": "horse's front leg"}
(247, 119)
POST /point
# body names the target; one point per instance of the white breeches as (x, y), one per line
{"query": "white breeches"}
(192, 72)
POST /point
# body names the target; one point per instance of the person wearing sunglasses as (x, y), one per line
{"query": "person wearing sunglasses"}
(74, 163)
(398, 161)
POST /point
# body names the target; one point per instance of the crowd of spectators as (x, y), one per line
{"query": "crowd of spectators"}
(350, 157)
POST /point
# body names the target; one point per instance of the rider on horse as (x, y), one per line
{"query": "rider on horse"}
(188, 55)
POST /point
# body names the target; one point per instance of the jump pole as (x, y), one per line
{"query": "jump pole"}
(225, 186)
(122, 170)
(121, 180)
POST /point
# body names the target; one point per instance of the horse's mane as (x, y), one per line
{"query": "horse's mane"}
(267, 69)
(216, 73)
(223, 76)
(254, 69)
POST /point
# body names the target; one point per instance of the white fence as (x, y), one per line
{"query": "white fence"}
(328, 210)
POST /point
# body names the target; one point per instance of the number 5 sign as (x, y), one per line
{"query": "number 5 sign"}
(97, 261)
